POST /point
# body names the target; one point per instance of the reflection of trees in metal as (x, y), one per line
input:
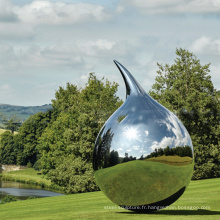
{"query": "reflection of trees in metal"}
(127, 158)
(179, 151)
(113, 158)
(102, 154)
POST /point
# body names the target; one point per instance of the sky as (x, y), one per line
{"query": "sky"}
(45, 44)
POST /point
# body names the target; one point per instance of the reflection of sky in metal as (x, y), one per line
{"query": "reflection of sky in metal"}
(131, 133)
(143, 139)
(180, 135)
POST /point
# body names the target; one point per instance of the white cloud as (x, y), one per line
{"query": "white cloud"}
(46, 12)
(13, 31)
(6, 12)
(175, 7)
(7, 57)
(74, 53)
(120, 9)
(205, 45)
(5, 88)
(92, 47)
(135, 147)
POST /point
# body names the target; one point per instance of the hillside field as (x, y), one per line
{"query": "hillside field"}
(21, 112)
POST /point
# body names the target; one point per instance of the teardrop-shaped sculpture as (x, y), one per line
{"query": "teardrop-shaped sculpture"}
(143, 155)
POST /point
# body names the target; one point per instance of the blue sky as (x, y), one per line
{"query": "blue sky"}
(45, 44)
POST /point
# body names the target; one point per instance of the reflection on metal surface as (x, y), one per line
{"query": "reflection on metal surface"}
(143, 155)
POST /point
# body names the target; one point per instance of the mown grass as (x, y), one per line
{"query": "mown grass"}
(200, 201)
(30, 176)
(158, 180)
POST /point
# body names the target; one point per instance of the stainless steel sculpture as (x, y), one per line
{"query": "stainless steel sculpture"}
(143, 155)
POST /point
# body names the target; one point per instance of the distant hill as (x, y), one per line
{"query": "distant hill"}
(21, 112)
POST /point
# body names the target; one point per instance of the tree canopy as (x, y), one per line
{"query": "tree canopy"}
(185, 88)
(66, 146)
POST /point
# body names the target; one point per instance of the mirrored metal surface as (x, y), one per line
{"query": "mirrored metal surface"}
(143, 155)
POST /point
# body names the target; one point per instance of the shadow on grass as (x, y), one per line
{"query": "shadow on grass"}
(176, 212)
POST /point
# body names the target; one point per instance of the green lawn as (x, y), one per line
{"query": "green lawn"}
(201, 200)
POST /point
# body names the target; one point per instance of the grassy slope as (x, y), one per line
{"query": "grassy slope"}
(30, 176)
(200, 193)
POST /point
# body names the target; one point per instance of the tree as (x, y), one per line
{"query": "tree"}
(66, 145)
(29, 133)
(73, 173)
(186, 89)
(7, 150)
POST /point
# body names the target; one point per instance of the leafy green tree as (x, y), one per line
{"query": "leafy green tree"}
(73, 173)
(185, 88)
(66, 146)
(7, 150)
(29, 133)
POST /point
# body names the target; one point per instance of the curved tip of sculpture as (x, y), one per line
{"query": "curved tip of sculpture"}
(132, 86)
(116, 62)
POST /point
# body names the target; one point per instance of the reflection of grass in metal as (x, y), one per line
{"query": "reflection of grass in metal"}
(172, 160)
(142, 182)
